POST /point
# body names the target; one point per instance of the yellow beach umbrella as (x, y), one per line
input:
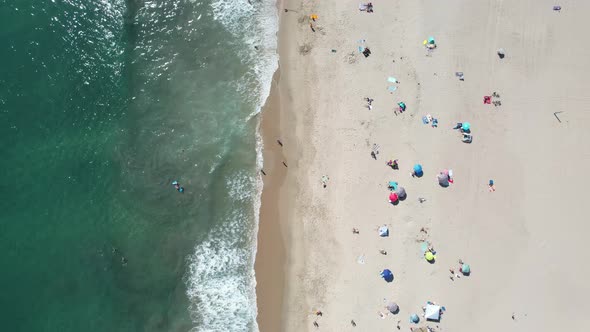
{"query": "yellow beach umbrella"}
(429, 256)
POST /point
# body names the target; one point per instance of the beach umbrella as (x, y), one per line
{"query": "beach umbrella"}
(431, 40)
(401, 192)
(418, 169)
(443, 179)
(393, 198)
(466, 126)
(414, 319)
(387, 275)
(392, 185)
(465, 269)
(392, 307)
(429, 256)
(432, 312)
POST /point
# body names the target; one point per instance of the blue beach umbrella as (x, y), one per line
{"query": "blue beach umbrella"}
(431, 40)
(466, 126)
(414, 319)
(418, 170)
(387, 275)
(465, 269)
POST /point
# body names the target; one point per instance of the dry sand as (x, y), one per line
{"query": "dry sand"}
(524, 241)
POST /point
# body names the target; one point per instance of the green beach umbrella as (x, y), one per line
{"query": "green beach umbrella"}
(465, 269)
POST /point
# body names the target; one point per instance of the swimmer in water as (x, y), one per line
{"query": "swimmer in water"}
(177, 186)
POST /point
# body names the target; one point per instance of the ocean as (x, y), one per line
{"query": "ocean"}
(103, 103)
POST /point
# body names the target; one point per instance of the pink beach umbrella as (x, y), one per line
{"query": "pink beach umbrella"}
(393, 198)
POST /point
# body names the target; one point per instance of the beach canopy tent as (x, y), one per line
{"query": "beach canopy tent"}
(401, 192)
(414, 319)
(392, 307)
(387, 275)
(429, 256)
(392, 185)
(432, 312)
(383, 231)
(418, 170)
(465, 269)
(393, 198)
(443, 179)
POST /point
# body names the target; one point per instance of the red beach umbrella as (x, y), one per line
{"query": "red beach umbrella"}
(393, 198)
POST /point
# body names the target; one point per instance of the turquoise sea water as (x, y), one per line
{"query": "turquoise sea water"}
(102, 104)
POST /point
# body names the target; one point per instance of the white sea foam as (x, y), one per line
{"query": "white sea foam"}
(256, 24)
(221, 282)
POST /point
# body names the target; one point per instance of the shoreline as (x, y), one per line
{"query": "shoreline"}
(278, 261)
(268, 267)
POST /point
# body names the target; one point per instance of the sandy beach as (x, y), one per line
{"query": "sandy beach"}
(524, 241)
